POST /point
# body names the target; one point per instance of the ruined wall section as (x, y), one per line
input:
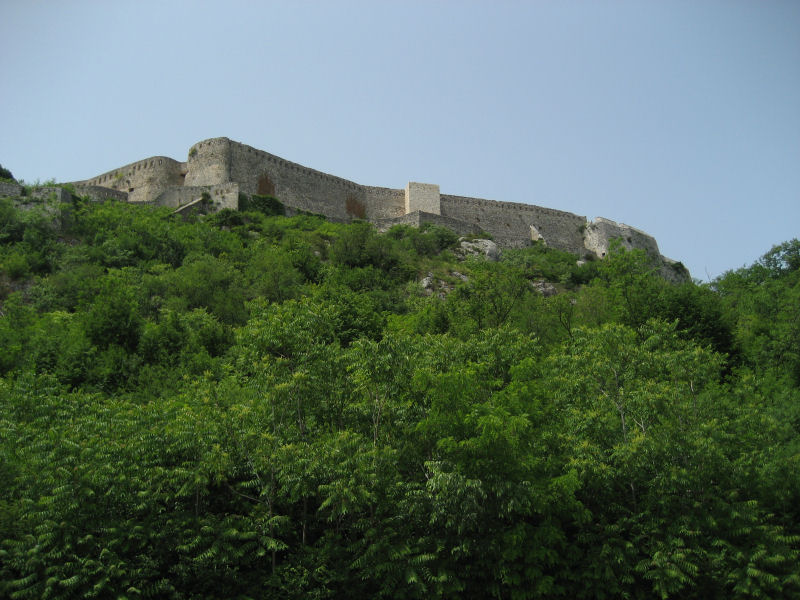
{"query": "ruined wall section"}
(599, 233)
(144, 180)
(8, 189)
(224, 195)
(510, 223)
(98, 193)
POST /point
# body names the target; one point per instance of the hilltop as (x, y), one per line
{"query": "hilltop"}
(222, 169)
(241, 403)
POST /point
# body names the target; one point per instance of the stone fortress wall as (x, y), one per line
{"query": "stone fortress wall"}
(257, 172)
(514, 225)
(143, 181)
(223, 168)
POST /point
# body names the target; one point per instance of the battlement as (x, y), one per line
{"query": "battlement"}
(225, 168)
(143, 180)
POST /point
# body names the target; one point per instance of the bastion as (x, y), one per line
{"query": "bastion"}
(220, 169)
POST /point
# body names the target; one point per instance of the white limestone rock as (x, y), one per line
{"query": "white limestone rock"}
(427, 284)
(486, 248)
(544, 288)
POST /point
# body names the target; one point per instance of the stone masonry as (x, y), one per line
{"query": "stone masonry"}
(223, 169)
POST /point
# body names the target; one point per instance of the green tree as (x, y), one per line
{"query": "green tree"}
(634, 286)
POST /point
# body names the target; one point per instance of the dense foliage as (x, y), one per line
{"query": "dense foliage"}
(245, 405)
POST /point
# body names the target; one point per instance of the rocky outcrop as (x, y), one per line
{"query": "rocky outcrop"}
(479, 247)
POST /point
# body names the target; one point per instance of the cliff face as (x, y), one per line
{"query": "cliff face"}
(224, 168)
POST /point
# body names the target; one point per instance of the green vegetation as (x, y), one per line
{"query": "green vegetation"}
(5, 175)
(245, 405)
(265, 204)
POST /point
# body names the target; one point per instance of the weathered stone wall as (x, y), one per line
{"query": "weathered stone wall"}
(383, 203)
(510, 223)
(422, 196)
(599, 233)
(209, 163)
(143, 180)
(224, 195)
(50, 194)
(179, 196)
(45, 199)
(417, 218)
(301, 188)
(98, 193)
(259, 172)
(8, 189)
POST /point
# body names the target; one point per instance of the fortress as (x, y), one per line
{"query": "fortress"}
(222, 169)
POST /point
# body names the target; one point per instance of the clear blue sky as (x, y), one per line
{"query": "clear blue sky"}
(681, 118)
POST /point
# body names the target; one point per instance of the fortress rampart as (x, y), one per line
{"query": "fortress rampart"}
(223, 169)
(144, 180)
(514, 225)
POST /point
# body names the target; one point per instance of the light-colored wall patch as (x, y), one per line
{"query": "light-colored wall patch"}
(424, 197)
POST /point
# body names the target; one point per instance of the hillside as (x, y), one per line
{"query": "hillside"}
(249, 405)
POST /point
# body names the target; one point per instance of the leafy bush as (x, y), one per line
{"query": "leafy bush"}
(6, 175)
(15, 264)
(267, 205)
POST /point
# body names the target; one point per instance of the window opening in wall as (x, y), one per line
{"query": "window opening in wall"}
(130, 190)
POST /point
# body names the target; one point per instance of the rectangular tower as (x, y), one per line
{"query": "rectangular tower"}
(424, 197)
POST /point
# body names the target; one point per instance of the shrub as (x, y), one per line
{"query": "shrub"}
(15, 264)
(268, 205)
(6, 174)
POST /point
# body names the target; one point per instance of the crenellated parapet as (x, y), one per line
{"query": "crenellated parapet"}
(143, 180)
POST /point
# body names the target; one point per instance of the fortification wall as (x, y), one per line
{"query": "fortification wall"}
(99, 193)
(600, 232)
(8, 189)
(209, 163)
(301, 188)
(224, 168)
(418, 218)
(46, 199)
(510, 223)
(50, 194)
(259, 172)
(383, 203)
(175, 197)
(224, 195)
(144, 180)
